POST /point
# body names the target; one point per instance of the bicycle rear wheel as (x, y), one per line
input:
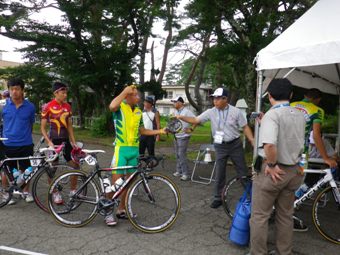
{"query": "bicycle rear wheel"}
(232, 192)
(153, 205)
(326, 212)
(41, 183)
(75, 210)
(5, 195)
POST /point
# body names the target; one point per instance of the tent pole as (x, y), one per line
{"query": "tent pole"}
(337, 143)
(258, 109)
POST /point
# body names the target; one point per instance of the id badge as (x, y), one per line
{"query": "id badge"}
(218, 137)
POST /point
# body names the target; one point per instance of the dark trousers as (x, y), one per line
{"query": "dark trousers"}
(234, 150)
(17, 152)
(147, 142)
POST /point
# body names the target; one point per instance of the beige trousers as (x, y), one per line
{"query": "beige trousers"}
(265, 195)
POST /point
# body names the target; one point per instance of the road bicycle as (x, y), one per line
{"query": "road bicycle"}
(325, 209)
(152, 203)
(43, 169)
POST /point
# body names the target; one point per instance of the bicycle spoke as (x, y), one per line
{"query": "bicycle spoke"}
(326, 211)
(76, 206)
(153, 206)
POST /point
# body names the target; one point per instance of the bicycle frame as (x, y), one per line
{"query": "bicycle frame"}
(328, 178)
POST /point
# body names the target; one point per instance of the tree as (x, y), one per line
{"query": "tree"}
(240, 29)
(95, 46)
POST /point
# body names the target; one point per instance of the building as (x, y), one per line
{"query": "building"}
(5, 64)
(165, 106)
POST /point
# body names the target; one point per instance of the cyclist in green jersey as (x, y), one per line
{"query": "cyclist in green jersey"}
(127, 117)
(314, 116)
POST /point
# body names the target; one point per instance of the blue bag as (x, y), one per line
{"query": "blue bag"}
(240, 229)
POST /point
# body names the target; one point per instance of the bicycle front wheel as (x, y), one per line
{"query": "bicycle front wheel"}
(232, 192)
(153, 203)
(42, 181)
(70, 202)
(326, 211)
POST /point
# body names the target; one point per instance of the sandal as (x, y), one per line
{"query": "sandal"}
(122, 215)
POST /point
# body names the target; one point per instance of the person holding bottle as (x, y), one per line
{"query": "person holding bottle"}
(128, 122)
(18, 116)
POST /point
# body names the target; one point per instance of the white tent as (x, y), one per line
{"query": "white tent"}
(307, 53)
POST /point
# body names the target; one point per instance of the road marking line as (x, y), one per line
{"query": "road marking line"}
(6, 248)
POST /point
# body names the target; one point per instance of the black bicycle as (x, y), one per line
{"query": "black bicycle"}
(152, 203)
(43, 169)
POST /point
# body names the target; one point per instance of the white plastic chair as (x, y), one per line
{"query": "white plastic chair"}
(200, 162)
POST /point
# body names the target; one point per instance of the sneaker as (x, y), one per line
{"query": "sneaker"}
(110, 220)
(299, 226)
(10, 202)
(185, 177)
(177, 174)
(57, 199)
(72, 192)
(28, 197)
(216, 203)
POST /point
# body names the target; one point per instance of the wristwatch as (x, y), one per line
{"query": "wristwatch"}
(271, 165)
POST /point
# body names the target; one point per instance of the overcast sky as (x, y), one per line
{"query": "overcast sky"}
(53, 16)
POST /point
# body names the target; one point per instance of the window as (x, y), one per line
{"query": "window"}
(170, 94)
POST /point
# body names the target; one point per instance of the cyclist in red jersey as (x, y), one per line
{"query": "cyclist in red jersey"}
(58, 113)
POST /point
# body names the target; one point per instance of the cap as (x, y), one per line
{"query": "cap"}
(149, 99)
(178, 99)
(58, 86)
(220, 92)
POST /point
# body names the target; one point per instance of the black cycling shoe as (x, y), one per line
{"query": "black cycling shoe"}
(216, 203)
(299, 226)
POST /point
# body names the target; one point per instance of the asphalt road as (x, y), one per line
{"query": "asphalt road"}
(198, 229)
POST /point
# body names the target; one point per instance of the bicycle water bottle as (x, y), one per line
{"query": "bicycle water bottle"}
(303, 161)
(22, 177)
(16, 174)
(118, 184)
(301, 190)
(107, 184)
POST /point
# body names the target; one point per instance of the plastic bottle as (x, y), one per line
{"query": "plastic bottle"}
(303, 161)
(301, 190)
(22, 177)
(16, 174)
(107, 184)
(118, 184)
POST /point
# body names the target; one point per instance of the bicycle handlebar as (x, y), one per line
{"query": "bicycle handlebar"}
(51, 154)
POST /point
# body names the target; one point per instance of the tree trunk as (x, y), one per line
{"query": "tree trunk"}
(170, 14)
(152, 71)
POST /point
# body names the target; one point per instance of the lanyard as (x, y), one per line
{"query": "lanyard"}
(224, 117)
(280, 105)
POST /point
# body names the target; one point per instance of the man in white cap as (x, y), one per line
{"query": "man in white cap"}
(181, 141)
(226, 120)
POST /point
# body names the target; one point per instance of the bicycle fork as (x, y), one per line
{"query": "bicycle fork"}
(147, 189)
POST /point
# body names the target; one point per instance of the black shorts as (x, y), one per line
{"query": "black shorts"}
(17, 152)
(68, 147)
(2, 151)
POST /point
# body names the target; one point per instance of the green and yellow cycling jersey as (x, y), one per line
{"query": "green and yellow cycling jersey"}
(127, 122)
(312, 114)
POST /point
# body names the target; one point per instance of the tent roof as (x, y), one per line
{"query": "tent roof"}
(312, 45)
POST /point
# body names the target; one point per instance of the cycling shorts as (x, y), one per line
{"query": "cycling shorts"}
(125, 156)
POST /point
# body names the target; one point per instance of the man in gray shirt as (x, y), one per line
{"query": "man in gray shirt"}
(226, 121)
(181, 141)
(281, 143)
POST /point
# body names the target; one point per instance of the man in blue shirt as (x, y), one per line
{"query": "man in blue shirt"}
(18, 118)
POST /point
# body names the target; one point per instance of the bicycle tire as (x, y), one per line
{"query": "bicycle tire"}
(142, 212)
(74, 211)
(232, 192)
(325, 211)
(41, 183)
(5, 195)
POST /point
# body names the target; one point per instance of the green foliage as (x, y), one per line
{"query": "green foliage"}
(154, 87)
(100, 127)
